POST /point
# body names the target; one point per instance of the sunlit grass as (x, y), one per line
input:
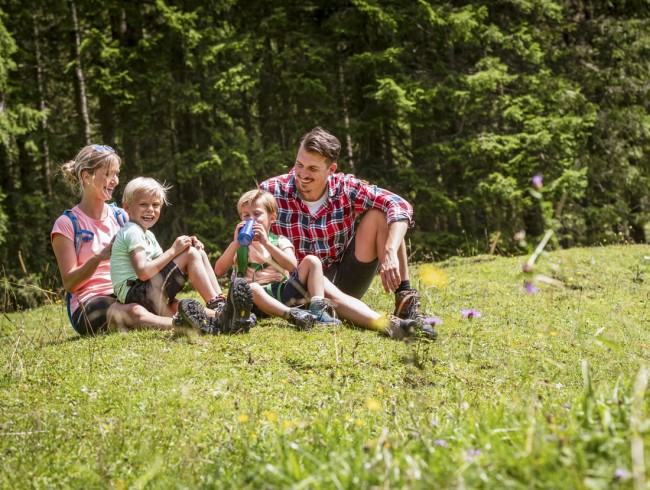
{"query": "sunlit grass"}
(537, 392)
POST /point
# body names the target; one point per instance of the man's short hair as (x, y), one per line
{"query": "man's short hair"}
(320, 141)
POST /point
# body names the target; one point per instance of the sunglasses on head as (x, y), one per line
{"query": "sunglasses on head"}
(103, 148)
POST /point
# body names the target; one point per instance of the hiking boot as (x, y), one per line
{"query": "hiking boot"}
(323, 312)
(236, 316)
(191, 314)
(407, 305)
(402, 329)
(302, 319)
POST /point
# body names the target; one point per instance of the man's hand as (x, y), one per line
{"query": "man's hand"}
(389, 272)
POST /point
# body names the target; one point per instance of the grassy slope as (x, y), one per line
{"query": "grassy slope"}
(538, 392)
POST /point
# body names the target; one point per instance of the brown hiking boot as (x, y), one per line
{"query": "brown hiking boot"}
(407, 305)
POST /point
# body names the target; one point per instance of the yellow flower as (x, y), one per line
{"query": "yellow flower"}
(553, 333)
(271, 416)
(360, 422)
(380, 390)
(242, 418)
(373, 405)
(432, 276)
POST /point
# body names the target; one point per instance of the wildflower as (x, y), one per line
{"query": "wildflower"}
(622, 474)
(242, 418)
(538, 181)
(433, 321)
(271, 416)
(360, 422)
(472, 454)
(440, 443)
(520, 236)
(530, 287)
(432, 276)
(471, 314)
(373, 405)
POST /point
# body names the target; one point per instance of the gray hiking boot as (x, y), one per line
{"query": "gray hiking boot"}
(236, 316)
(402, 329)
(323, 312)
(302, 319)
(190, 314)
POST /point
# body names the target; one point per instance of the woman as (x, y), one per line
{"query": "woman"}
(94, 175)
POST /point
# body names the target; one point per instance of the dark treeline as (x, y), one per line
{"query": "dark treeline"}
(455, 105)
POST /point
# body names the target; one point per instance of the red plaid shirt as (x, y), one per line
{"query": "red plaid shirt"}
(328, 233)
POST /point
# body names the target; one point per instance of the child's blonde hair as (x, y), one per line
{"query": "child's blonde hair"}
(90, 158)
(145, 184)
(261, 197)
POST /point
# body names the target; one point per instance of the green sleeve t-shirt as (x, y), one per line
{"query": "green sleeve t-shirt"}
(129, 238)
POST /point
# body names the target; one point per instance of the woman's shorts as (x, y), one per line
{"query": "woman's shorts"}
(155, 293)
(91, 316)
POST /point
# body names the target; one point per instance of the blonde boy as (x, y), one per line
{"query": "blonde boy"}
(143, 273)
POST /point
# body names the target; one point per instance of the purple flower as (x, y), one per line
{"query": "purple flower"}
(538, 182)
(440, 443)
(622, 474)
(433, 321)
(471, 314)
(472, 454)
(530, 287)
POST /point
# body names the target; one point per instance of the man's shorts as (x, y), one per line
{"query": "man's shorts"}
(91, 316)
(155, 293)
(351, 276)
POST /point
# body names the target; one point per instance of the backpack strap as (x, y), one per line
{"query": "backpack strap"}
(242, 259)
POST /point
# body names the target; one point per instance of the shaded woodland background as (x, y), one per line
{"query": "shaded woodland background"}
(455, 105)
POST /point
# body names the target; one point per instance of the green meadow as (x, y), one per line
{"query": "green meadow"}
(542, 390)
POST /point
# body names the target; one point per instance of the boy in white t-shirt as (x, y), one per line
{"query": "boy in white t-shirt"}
(143, 273)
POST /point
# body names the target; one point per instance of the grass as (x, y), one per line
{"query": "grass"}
(545, 390)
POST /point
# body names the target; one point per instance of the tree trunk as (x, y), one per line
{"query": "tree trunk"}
(83, 102)
(47, 166)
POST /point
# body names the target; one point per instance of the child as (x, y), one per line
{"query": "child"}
(268, 257)
(142, 273)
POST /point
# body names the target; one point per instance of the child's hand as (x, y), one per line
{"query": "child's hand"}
(196, 243)
(260, 234)
(181, 244)
(237, 228)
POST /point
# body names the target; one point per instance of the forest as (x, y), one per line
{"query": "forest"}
(454, 105)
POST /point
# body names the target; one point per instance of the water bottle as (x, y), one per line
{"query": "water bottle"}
(245, 236)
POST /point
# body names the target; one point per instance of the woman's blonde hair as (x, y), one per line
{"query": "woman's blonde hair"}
(89, 159)
(145, 184)
(261, 197)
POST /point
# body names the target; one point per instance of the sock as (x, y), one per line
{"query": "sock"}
(317, 298)
(403, 286)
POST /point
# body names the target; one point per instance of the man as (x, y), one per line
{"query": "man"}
(318, 209)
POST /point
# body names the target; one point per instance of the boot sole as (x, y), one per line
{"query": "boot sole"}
(193, 314)
(238, 307)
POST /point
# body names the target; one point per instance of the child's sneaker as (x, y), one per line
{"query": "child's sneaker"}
(236, 316)
(407, 305)
(191, 314)
(319, 309)
(302, 319)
